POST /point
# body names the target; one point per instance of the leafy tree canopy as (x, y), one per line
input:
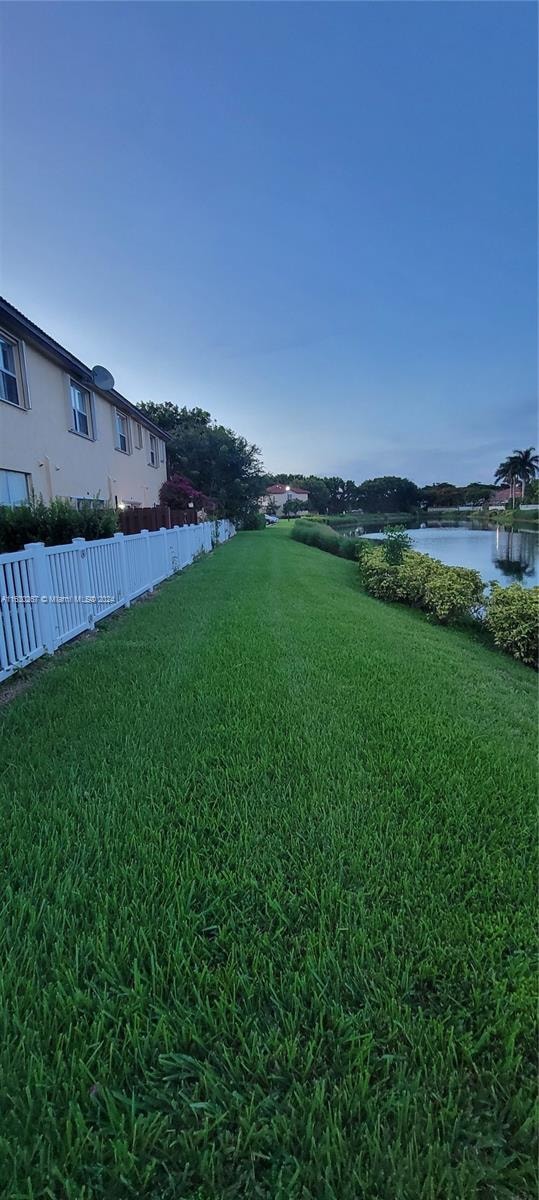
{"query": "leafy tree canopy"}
(388, 493)
(218, 462)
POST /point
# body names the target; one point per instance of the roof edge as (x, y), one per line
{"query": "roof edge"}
(25, 328)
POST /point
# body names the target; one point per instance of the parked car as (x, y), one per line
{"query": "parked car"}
(271, 520)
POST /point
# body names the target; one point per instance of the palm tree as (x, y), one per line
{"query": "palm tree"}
(507, 473)
(527, 465)
(521, 465)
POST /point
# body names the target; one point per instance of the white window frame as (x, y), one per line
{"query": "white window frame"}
(28, 482)
(119, 416)
(77, 412)
(153, 453)
(19, 374)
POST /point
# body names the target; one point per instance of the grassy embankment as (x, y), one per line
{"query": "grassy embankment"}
(350, 520)
(508, 519)
(268, 920)
(517, 519)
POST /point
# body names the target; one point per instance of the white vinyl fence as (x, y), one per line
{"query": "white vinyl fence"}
(50, 594)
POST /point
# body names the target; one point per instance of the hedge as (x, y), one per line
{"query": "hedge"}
(448, 593)
(54, 524)
(314, 534)
(512, 616)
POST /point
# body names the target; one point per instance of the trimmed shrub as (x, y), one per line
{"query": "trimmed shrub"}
(453, 592)
(512, 616)
(350, 548)
(380, 578)
(317, 535)
(324, 538)
(54, 524)
(414, 573)
(449, 593)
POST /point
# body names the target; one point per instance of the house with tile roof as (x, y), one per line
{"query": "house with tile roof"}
(278, 493)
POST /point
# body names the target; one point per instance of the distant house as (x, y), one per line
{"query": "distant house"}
(62, 433)
(278, 493)
(502, 496)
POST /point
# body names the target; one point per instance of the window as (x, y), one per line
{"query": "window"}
(9, 388)
(154, 452)
(122, 435)
(81, 409)
(13, 487)
(161, 451)
(138, 435)
(82, 502)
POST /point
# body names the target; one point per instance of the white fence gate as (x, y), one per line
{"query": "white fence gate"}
(50, 594)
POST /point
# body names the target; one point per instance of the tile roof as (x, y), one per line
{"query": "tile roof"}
(277, 489)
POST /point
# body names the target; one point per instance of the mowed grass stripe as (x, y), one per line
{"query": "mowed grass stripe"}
(267, 921)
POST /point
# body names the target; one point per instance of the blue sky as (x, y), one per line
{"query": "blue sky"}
(316, 220)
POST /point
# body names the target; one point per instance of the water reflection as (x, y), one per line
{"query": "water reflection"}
(515, 553)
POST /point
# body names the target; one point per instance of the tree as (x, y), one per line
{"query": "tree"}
(441, 495)
(291, 507)
(531, 495)
(335, 487)
(178, 492)
(508, 473)
(526, 465)
(477, 493)
(388, 493)
(318, 493)
(218, 462)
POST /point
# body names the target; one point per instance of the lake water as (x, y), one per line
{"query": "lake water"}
(502, 554)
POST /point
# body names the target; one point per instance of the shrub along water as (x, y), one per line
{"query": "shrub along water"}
(448, 593)
(54, 523)
(512, 616)
(392, 571)
(315, 534)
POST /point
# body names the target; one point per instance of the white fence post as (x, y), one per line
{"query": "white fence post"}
(80, 545)
(178, 547)
(145, 534)
(122, 568)
(44, 592)
(166, 555)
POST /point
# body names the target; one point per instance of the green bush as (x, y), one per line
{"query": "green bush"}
(397, 541)
(453, 592)
(512, 616)
(350, 548)
(55, 523)
(379, 577)
(254, 520)
(415, 572)
(449, 593)
(317, 535)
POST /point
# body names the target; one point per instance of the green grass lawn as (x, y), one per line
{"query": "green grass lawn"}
(267, 922)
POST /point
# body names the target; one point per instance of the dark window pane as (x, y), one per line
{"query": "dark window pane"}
(8, 388)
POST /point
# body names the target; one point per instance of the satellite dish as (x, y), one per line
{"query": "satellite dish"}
(101, 378)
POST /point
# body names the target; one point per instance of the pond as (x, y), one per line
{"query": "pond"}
(505, 555)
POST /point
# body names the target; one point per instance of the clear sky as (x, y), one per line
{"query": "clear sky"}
(316, 220)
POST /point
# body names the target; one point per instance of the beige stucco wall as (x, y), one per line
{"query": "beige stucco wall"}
(38, 441)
